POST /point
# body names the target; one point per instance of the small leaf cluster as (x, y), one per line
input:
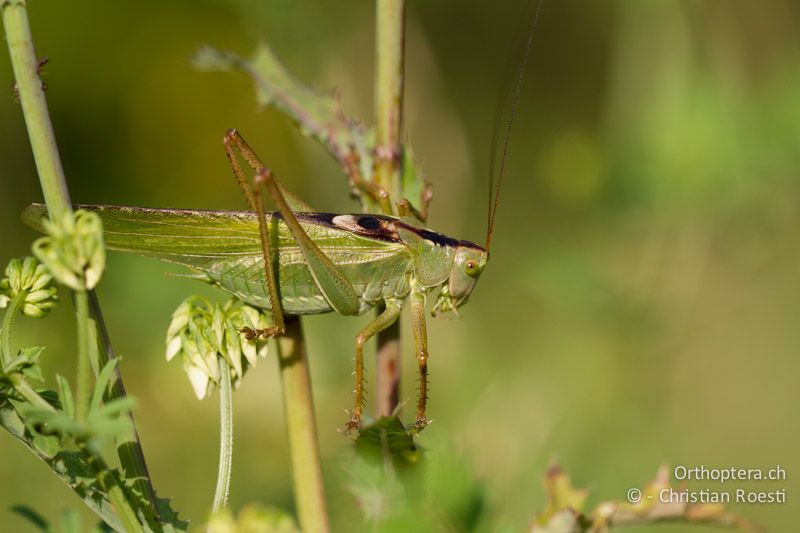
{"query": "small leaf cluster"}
(29, 279)
(104, 420)
(73, 249)
(201, 332)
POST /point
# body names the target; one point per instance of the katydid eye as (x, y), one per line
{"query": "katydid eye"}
(472, 267)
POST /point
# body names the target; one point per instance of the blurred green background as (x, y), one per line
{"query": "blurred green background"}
(642, 302)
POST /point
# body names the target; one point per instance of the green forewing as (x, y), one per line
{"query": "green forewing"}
(226, 248)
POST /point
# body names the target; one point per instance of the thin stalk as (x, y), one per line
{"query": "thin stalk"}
(27, 392)
(390, 49)
(82, 392)
(390, 37)
(225, 437)
(309, 492)
(19, 383)
(34, 108)
(8, 323)
(52, 180)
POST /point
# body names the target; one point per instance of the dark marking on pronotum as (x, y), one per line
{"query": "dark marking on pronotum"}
(369, 222)
(437, 238)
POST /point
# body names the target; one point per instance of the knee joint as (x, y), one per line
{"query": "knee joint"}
(360, 340)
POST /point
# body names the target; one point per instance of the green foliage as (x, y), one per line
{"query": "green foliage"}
(319, 116)
(71, 438)
(399, 487)
(387, 437)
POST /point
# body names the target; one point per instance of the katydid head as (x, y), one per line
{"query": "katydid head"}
(470, 259)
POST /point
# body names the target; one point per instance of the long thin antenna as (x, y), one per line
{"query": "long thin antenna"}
(507, 141)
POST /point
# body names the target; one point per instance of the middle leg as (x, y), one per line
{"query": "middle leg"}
(419, 328)
(380, 323)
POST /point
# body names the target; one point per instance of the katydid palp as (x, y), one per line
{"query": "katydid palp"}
(311, 262)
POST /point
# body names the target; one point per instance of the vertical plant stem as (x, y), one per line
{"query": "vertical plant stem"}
(300, 424)
(82, 392)
(225, 437)
(390, 51)
(51, 173)
(390, 41)
(34, 108)
(8, 323)
(388, 371)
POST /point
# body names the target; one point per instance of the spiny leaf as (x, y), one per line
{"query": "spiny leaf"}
(388, 435)
(319, 116)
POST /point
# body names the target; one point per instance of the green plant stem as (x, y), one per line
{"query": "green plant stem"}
(54, 185)
(225, 437)
(390, 44)
(8, 322)
(27, 392)
(301, 428)
(82, 393)
(390, 40)
(34, 108)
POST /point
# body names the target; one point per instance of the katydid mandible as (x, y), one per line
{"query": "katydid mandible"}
(297, 261)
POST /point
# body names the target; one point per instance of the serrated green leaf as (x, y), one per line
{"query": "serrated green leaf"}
(413, 185)
(102, 384)
(388, 434)
(116, 407)
(32, 353)
(33, 372)
(318, 115)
